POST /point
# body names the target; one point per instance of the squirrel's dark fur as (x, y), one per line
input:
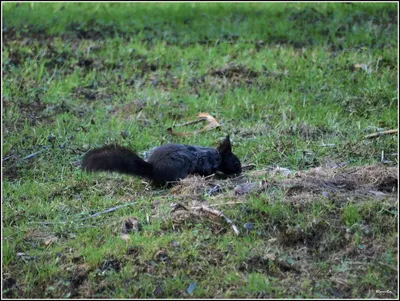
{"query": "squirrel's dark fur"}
(167, 163)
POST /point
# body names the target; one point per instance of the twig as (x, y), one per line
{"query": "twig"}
(180, 205)
(220, 214)
(34, 154)
(191, 122)
(6, 158)
(109, 210)
(209, 210)
(94, 215)
(212, 124)
(381, 134)
(209, 176)
(177, 206)
(214, 190)
(248, 166)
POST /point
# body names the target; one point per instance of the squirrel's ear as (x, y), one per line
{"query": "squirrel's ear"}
(225, 147)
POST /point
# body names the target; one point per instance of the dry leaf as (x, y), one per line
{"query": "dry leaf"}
(212, 124)
(50, 241)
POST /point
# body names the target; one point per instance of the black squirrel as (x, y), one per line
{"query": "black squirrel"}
(167, 163)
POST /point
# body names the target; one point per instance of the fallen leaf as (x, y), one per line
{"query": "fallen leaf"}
(50, 241)
(211, 124)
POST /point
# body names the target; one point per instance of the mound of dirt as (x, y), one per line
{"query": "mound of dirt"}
(376, 180)
(360, 181)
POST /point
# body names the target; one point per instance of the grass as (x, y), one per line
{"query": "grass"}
(295, 85)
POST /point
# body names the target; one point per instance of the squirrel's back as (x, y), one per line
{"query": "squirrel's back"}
(171, 162)
(167, 163)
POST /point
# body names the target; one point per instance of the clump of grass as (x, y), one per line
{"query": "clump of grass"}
(351, 215)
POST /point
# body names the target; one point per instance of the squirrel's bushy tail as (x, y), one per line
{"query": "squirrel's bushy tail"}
(118, 159)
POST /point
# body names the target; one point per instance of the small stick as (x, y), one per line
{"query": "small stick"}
(6, 158)
(109, 210)
(220, 214)
(212, 211)
(212, 124)
(381, 134)
(210, 176)
(248, 166)
(191, 122)
(94, 215)
(177, 206)
(34, 154)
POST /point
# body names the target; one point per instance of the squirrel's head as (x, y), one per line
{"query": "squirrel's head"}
(230, 163)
